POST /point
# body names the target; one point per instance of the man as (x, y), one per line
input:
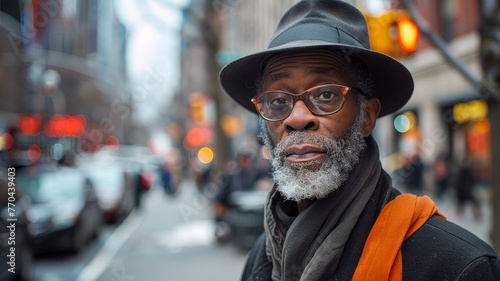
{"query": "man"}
(333, 213)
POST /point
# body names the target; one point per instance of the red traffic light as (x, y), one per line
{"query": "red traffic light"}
(407, 34)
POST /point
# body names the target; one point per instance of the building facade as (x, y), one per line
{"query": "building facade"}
(62, 58)
(445, 118)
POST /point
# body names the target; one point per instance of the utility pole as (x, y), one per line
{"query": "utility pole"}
(490, 62)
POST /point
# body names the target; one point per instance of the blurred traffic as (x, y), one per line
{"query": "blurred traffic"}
(65, 213)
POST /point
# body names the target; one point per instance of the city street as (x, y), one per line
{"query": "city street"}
(168, 239)
(171, 238)
(67, 266)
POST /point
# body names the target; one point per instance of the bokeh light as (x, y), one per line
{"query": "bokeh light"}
(470, 111)
(65, 126)
(147, 179)
(95, 135)
(29, 125)
(231, 125)
(112, 143)
(34, 152)
(412, 118)
(57, 151)
(478, 136)
(402, 123)
(205, 155)
(407, 34)
(197, 137)
(7, 141)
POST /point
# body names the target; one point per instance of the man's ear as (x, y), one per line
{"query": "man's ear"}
(371, 113)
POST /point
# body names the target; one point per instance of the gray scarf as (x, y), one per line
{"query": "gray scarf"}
(309, 247)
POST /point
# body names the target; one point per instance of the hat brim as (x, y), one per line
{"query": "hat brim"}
(391, 81)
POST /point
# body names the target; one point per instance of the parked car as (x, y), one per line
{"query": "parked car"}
(114, 189)
(14, 233)
(143, 169)
(65, 211)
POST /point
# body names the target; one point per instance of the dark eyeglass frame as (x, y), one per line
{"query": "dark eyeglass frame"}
(295, 98)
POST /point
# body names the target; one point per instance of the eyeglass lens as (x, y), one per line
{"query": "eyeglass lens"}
(322, 100)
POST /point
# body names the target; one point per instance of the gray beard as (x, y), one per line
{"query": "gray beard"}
(315, 179)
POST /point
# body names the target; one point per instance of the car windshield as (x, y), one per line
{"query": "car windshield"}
(51, 187)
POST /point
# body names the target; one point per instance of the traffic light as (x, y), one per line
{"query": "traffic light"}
(393, 33)
(407, 35)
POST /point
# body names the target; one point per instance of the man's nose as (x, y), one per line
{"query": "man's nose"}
(301, 118)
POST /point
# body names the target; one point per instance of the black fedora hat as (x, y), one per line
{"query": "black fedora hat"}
(330, 24)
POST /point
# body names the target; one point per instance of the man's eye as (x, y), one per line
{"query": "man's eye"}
(278, 101)
(326, 96)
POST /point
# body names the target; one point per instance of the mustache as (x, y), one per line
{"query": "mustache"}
(302, 137)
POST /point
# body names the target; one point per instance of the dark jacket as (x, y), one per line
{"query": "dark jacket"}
(439, 250)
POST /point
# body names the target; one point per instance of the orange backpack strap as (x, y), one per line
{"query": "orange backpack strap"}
(399, 219)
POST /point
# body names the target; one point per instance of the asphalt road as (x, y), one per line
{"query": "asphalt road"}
(168, 238)
(67, 266)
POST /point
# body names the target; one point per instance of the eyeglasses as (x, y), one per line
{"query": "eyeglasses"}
(321, 100)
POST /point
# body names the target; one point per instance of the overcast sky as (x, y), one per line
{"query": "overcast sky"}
(153, 54)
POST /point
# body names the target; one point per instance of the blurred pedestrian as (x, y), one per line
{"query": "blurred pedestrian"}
(167, 178)
(414, 173)
(241, 177)
(333, 213)
(465, 189)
